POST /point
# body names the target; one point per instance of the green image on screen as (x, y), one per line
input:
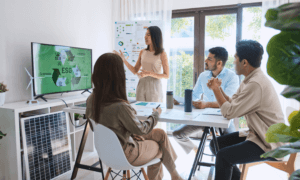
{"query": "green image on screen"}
(61, 68)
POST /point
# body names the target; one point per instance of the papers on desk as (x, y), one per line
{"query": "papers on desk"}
(178, 114)
(150, 104)
(170, 114)
(212, 111)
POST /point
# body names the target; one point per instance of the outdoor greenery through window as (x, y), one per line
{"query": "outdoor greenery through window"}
(251, 29)
(181, 58)
(219, 30)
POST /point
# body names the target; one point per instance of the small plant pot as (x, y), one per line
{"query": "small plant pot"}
(77, 122)
(2, 98)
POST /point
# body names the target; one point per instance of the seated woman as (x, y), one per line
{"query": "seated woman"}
(108, 105)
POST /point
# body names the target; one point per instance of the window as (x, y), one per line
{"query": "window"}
(195, 31)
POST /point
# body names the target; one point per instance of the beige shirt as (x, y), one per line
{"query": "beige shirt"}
(121, 119)
(151, 62)
(256, 99)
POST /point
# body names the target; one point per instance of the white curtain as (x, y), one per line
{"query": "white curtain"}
(134, 10)
(266, 34)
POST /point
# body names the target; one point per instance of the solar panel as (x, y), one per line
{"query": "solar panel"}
(46, 146)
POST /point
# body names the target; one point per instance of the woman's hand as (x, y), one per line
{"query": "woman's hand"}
(158, 110)
(121, 55)
(137, 137)
(144, 73)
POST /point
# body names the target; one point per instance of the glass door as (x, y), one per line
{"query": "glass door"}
(181, 57)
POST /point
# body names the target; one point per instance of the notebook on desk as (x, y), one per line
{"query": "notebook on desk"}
(212, 111)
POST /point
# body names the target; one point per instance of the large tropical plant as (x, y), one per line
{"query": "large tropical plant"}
(284, 67)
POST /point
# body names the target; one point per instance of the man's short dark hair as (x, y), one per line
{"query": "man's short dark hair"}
(220, 53)
(250, 50)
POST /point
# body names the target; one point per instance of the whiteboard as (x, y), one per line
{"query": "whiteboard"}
(129, 38)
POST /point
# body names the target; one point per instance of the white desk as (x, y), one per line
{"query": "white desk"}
(177, 115)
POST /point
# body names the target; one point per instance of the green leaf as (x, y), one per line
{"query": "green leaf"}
(271, 15)
(295, 122)
(282, 151)
(284, 58)
(295, 175)
(286, 17)
(281, 133)
(2, 134)
(291, 92)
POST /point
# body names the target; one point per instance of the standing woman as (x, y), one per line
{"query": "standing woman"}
(151, 59)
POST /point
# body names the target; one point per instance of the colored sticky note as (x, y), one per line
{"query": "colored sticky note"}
(142, 104)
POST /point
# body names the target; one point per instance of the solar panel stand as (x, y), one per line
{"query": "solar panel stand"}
(77, 164)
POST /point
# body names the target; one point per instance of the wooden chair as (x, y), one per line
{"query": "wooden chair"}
(287, 166)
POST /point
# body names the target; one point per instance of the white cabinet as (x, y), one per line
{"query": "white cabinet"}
(11, 145)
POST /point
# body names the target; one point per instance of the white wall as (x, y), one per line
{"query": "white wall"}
(186, 4)
(75, 23)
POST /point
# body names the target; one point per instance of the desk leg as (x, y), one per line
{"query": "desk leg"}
(199, 152)
(80, 150)
(212, 129)
(221, 132)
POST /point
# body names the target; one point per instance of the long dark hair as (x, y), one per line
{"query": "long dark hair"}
(156, 38)
(109, 83)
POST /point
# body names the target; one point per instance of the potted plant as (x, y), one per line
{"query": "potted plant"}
(77, 116)
(284, 67)
(3, 89)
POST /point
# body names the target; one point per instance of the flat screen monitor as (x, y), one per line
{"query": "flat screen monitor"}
(59, 69)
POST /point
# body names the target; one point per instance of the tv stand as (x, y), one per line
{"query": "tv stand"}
(86, 90)
(41, 98)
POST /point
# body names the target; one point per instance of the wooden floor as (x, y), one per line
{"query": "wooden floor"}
(184, 164)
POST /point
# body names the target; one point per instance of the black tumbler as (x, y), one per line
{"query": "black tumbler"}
(188, 100)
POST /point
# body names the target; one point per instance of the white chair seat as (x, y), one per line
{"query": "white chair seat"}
(153, 161)
(110, 151)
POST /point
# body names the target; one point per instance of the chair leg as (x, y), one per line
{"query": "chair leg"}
(128, 174)
(124, 175)
(244, 172)
(241, 167)
(144, 173)
(107, 174)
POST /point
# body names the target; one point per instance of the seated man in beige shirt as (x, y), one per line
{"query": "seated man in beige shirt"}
(256, 99)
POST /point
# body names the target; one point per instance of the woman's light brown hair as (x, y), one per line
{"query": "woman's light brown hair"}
(109, 83)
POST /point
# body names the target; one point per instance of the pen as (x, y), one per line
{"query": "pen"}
(156, 108)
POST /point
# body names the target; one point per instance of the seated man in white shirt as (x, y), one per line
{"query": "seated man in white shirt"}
(214, 63)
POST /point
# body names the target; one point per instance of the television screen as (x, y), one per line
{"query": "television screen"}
(60, 68)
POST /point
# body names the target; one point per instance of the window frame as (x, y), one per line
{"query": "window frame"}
(199, 28)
